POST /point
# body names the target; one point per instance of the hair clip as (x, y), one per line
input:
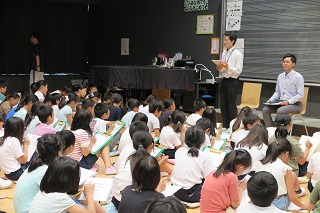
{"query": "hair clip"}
(277, 142)
(140, 145)
(281, 124)
(178, 122)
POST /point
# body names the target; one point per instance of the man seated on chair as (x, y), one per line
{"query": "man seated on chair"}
(289, 91)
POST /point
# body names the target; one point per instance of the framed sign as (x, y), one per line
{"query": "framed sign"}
(205, 24)
(215, 44)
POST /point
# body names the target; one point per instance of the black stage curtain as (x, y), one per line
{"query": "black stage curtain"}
(63, 30)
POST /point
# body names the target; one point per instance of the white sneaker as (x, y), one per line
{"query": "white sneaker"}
(5, 184)
(303, 192)
(111, 171)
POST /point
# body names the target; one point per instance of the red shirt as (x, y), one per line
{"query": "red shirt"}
(218, 192)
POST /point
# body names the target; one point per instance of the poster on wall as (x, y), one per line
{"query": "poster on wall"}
(205, 24)
(234, 13)
(124, 46)
(195, 5)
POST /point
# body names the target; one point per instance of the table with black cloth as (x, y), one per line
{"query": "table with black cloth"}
(143, 77)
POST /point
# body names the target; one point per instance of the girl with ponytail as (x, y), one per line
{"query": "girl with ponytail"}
(172, 135)
(199, 165)
(221, 189)
(298, 157)
(276, 160)
(143, 144)
(67, 106)
(49, 147)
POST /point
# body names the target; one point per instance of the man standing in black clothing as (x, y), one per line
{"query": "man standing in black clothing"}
(35, 74)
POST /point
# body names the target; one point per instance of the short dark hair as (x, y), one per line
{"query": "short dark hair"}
(66, 89)
(249, 118)
(138, 126)
(166, 204)
(35, 35)
(3, 84)
(100, 109)
(44, 112)
(262, 188)
(116, 98)
(150, 98)
(139, 116)
(146, 174)
(94, 94)
(289, 55)
(232, 36)
(132, 103)
(67, 137)
(199, 104)
(155, 105)
(107, 96)
(168, 102)
(54, 97)
(62, 175)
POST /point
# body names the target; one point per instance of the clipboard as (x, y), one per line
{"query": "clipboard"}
(217, 62)
(103, 139)
(156, 151)
(272, 103)
(60, 125)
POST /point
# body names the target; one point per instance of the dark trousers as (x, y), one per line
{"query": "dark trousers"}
(170, 152)
(191, 195)
(310, 187)
(228, 95)
(115, 202)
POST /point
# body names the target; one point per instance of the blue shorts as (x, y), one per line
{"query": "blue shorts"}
(282, 202)
(16, 174)
(88, 161)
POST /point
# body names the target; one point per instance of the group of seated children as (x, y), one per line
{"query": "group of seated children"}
(46, 180)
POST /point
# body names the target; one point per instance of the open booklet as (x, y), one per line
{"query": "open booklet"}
(33, 144)
(216, 156)
(86, 174)
(103, 138)
(170, 190)
(315, 145)
(219, 144)
(102, 188)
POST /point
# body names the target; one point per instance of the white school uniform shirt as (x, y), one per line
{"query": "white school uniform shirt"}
(239, 135)
(55, 110)
(99, 125)
(144, 109)
(39, 95)
(278, 169)
(313, 167)
(153, 122)
(32, 126)
(126, 152)
(128, 118)
(234, 59)
(251, 208)
(10, 151)
(193, 118)
(122, 179)
(169, 139)
(51, 202)
(257, 153)
(125, 139)
(189, 170)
